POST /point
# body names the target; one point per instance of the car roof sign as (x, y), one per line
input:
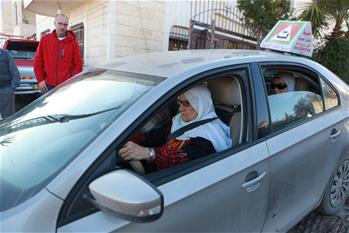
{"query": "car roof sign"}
(290, 36)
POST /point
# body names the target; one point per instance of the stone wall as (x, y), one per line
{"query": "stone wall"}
(94, 16)
(6, 25)
(116, 28)
(138, 27)
(43, 23)
(119, 28)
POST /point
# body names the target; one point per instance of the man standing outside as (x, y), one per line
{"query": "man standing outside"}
(9, 78)
(58, 56)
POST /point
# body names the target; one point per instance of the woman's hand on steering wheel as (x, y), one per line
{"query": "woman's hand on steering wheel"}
(133, 151)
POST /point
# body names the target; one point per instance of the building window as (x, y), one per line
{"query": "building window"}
(178, 38)
(78, 29)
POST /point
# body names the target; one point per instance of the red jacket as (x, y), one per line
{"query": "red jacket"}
(56, 61)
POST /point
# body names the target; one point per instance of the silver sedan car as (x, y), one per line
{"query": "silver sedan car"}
(61, 170)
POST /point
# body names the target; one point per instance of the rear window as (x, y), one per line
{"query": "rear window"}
(22, 49)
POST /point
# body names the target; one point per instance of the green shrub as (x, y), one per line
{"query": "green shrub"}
(335, 56)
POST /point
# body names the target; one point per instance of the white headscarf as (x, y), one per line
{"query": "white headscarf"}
(215, 131)
(288, 79)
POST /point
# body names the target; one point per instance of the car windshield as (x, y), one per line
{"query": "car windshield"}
(22, 50)
(40, 140)
(22, 54)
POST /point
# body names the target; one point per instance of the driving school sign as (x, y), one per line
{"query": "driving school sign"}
(290, 36)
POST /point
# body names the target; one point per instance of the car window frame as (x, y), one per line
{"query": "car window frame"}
(333, 89)
(260, 103)
(171, 173)
(298, 67)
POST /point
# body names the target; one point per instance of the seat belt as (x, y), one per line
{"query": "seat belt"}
(186, 128)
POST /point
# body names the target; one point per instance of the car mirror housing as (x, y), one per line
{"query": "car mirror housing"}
(128, 196)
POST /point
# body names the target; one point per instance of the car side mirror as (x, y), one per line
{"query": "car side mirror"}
(128, 196)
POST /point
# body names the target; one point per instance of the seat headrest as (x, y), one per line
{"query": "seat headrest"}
(225, 91)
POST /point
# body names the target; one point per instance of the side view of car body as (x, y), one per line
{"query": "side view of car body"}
(59, 155)
(23, 51)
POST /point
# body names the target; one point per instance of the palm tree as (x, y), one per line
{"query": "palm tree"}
(323, 13)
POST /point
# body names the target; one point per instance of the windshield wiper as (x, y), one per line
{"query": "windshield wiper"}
(61, 118)
(43, 120)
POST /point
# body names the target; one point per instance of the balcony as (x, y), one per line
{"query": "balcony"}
(51, 8)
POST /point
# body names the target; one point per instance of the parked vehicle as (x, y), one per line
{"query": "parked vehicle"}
(23, 51)
(60, 169)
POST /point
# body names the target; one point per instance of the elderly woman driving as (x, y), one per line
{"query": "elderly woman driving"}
(207, 138)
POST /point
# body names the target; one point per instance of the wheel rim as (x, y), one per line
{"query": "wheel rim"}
(340, 185)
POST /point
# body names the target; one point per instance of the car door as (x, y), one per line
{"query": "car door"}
(226, 191)
(223, 196)
(302, 154)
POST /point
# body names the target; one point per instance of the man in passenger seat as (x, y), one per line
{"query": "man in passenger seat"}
(282, 82)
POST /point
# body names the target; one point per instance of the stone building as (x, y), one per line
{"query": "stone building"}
(15, 20)
(107, 29)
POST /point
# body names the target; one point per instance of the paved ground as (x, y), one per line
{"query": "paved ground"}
(318, 223)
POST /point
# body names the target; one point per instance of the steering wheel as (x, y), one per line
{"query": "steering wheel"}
(137, 166)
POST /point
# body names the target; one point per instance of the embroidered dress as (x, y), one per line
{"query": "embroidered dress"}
(193, 144)
(170, 154)
(175, 151)
(180, 151)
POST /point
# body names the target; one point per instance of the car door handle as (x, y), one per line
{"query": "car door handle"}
(334, 135)
(252, 185)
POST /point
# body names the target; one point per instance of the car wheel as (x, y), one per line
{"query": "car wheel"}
(337, 189)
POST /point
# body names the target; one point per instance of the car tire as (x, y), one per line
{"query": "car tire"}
(337, 189)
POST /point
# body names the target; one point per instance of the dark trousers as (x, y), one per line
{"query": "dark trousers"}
(50, 87)
(7, 102)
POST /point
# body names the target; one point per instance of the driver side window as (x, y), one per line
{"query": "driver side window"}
(227, 120)
(192, 132)
(204, 119)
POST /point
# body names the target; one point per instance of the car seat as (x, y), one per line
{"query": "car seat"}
(226, 96)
